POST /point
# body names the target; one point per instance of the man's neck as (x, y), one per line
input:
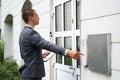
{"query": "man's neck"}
(30, 25)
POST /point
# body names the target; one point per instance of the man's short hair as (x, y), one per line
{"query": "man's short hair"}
(26, 14)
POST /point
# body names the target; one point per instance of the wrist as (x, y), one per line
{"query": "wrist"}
(68, 52)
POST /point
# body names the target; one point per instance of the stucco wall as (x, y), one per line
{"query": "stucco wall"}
(98, 17)
(14, 8)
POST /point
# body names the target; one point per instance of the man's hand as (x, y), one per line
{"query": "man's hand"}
(74, 54)
(45, 54)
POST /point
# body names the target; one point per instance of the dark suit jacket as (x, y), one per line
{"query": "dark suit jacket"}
(31, 45)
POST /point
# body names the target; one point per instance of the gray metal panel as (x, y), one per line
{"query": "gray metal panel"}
(99, 49)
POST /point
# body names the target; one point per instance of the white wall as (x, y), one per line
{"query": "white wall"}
(0, 17)
(14, 7)
(98, 17)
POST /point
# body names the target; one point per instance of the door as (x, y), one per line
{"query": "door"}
(67, 34)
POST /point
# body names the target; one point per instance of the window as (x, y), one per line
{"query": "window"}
(68, 45)
(67, 16)
(58, 18)
(78, 49)
(77, 14)
(58, 56)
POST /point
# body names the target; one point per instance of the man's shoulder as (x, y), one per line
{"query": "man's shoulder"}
(27, 30)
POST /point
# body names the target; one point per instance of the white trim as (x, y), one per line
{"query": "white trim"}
(72, 33)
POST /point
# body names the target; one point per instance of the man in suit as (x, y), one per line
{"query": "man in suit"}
(31, 45)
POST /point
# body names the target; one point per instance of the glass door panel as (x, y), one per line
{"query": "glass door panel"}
(58, 56)
(58, 18)
(67, 16)
(78, 49)
(77, 14)
(68, 45)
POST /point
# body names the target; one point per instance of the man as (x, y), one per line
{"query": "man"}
(31, 45)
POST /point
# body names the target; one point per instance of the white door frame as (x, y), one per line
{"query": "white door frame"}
(74, 33)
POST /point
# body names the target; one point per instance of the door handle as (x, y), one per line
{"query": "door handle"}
(71, 67)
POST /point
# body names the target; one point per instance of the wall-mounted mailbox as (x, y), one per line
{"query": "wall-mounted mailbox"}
(99, 53)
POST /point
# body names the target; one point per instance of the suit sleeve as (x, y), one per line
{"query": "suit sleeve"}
(38, 41)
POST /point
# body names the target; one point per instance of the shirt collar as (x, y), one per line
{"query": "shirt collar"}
(28, 25)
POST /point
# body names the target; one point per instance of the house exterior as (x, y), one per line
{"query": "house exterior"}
(0, 17)
(90, 26)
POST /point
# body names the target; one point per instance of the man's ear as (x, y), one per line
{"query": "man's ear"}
(30, 18)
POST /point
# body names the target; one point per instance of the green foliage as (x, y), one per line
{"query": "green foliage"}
(9, 71)
(1, 50)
